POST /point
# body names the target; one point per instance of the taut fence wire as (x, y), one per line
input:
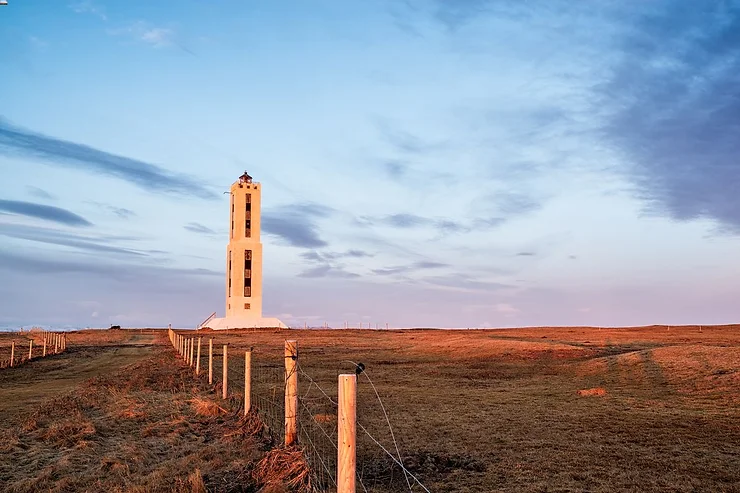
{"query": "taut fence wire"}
(379, 462)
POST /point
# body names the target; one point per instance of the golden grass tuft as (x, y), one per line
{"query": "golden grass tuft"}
(283, 467)
(197, 485)
(594, 392)
(206, 407)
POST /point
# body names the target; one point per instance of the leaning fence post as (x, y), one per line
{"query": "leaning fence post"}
(210, 361)
(197, 362)
(12, 353)
(247, 382)
(291, 392)
(226, 371)
(30, 349)
(346, 433)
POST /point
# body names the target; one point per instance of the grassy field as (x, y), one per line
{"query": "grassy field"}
(546, 409)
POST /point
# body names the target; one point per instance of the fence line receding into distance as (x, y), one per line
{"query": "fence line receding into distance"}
(317, 410)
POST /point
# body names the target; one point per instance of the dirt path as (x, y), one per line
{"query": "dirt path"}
(23, 388)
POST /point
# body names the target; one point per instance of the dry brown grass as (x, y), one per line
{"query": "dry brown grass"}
(284, 468)
(471, 410)
(499, 410)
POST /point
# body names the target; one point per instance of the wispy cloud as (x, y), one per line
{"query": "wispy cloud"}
(296, 224)
(46, 212)
(330, 264)
(16, 141)
(200, 229)
(405, 269)
(40, 193)
(156, 36)
(326, 270)
(410, 221)
(120, 212)
(89, 7)
(98, 244)
(465, 282)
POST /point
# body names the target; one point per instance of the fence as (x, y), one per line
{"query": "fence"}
(40, 345)
(313, 409)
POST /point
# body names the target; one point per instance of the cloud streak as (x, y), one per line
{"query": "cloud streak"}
(200, 229)
(19, 142)
(296, 224)
(56, 237)
(45, 212)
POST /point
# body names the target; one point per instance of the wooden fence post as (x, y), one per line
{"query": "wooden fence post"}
(225, 389)
(191, 357)
(44, 353)
(30, 349)
(12, 353)
(197, 363)
(247, 382)
(346, 433)
(291, 392)
(210, 361)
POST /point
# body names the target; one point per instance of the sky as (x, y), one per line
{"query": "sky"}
(424, 163)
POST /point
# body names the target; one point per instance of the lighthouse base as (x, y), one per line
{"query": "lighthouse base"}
(244, 323)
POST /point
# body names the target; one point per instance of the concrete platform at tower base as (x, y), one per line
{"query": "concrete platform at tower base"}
(244, 323)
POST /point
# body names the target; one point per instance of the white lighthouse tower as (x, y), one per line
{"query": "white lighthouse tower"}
(244, 261)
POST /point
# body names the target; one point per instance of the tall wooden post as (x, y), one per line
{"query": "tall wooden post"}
(197, 362)
(291, 392)
(12, 353)
(247, 382)
(346, 433)
(192, 351)
(210, 362)
(44, 353)
(30, 349)
(225, 389)
(64, 342)
(56, 343)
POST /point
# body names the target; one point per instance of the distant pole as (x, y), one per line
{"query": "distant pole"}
(225, 389)
(12, 353)
(346, 433)
(210, 361)
(197, 363)
(247, 381)
(30, 349)
(386, 326)
(291, 392)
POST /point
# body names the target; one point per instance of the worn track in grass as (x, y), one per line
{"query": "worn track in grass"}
(26, 386)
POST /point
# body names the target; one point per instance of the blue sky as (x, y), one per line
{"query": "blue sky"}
(442, 163)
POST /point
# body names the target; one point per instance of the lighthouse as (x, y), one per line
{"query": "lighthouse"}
(244, 260)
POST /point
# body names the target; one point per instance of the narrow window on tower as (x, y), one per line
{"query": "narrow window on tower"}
(248, 217)
(229, 273)
(247, 273)
(232, 215)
